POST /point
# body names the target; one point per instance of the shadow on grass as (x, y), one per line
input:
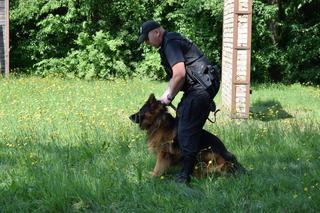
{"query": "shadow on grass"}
(96, 177)
(268, 111)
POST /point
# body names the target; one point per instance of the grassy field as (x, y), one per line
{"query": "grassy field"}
(68, 146)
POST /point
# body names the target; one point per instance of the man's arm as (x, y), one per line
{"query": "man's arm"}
(175, 83)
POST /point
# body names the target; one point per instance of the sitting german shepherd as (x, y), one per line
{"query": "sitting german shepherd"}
(161, 138)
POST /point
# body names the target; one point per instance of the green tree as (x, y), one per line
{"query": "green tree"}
(97, 38)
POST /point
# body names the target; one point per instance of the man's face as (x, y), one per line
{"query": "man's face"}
(153, 38)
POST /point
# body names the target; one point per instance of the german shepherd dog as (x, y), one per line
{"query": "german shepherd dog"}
(161, 139)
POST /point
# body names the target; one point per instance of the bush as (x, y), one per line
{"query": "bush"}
(98, 56)
(97, 38)
(150, 66)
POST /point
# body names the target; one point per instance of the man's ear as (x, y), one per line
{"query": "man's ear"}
(152, 98)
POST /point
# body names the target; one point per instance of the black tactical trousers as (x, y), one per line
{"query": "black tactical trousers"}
(192, 113)
(193, 110)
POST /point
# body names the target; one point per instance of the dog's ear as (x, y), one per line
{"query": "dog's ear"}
(152, 98)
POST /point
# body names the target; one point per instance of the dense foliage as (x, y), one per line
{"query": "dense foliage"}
(97, 39)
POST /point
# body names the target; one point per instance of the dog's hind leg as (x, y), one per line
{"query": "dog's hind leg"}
(162, 164)
(210, 140)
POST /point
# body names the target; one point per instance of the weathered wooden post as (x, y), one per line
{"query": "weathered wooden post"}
(236, 55)
(4, 37)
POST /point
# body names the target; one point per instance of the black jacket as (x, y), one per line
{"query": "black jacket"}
(176, 48)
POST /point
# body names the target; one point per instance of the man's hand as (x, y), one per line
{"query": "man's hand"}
(165, 99)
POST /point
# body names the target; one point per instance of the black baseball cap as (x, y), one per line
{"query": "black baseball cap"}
(145, 28)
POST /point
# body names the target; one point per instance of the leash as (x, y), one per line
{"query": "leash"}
(215, 113)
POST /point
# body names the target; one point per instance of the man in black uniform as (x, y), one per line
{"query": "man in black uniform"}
(189, 71)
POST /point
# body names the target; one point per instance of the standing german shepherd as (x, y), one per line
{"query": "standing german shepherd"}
(161, 138)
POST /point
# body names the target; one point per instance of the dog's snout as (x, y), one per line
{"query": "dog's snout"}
(134, 118)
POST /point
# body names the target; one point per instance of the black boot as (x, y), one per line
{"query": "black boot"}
(187, 168)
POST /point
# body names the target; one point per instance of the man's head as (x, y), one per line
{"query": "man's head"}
(151, 33)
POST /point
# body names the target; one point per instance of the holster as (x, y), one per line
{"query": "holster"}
(204, 74)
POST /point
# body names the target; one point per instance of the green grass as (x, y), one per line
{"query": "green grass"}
(68, 146)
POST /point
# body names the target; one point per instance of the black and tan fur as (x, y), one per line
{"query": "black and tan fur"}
(161, 139)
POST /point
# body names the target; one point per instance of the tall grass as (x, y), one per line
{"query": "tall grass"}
(68, 146)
